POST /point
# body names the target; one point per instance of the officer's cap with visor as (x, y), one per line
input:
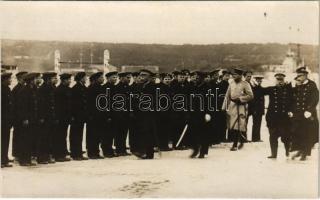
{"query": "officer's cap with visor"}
(79, 76)
(31, 76)
(279, 76)
(124, 74)
(95, 76)
(236, 71)
(147, 71)
(135, 74)
(111, 74)
(65, 76)
(302, 70)
(5, 76)
(48, 75)
(20, 74)
(258, 77)
(175, 73)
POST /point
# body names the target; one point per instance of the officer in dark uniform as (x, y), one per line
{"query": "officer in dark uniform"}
(199, 118)
(63, 112)
(122, 117)
(48, 120)
(27, 116)
(304, 115)
(6, 118)
(278, 123)
(257, 109)
(133, 88)
(79, 115)
(179, 118)
(16, 125)
(163, 115)
(95, 124)
(145, 119)
(110, 125)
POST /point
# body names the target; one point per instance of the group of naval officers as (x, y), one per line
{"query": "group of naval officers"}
(40, 113)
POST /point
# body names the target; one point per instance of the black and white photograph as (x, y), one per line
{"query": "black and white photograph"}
(159, 99)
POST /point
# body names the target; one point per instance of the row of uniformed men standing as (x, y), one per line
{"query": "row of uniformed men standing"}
(41, 114)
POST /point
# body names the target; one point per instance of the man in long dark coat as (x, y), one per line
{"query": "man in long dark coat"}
(16, 125)
(304, 115)
(278, 123)
(28, 107)
(95, 124)
(48, 120)
(63, 111)
(79, 115)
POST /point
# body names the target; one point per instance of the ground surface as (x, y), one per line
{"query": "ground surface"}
(246, 173)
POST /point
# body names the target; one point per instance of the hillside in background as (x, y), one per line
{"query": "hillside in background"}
(39, 55)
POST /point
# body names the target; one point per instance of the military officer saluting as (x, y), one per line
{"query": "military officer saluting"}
(304, 114)
(6, 117)
(278, 123)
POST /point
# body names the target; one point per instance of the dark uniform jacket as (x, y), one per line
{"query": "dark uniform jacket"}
(257, 104)
(93, 91)
(305, 98)
(63, 103)
(6, 106)
(79, 102)
(27, 104)
(15, 96)
(280, 98)
(47, 104)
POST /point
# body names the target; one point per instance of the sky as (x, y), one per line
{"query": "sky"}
(162, 22)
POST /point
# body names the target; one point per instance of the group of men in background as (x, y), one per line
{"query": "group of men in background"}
(42, 113)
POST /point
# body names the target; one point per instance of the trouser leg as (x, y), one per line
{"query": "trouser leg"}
(256, 126)
(76, 136)
(5, 138)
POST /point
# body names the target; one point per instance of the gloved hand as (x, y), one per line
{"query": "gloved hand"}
(290, 114)
(207, 117)
(307, 114)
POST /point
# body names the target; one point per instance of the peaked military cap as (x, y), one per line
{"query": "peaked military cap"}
(5, 76)
(237, 71)
(65, 76)
(147, 71)
(279, 75)
(21, 74)
(95, 76)
(79, 76)
(302, 70)
(31, 76)
(48, 75)
(135, 73)
(111, 73)
(258, 77)
(175, 73)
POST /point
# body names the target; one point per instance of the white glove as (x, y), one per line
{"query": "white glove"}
(307, 114)
(207, 118)
(290, 114)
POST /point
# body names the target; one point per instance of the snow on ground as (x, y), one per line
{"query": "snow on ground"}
(242, 174)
